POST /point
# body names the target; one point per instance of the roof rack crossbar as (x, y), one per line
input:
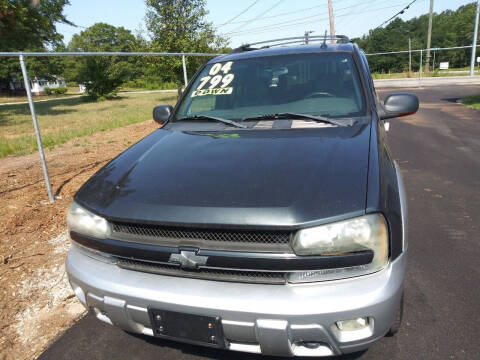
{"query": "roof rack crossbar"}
(291, 40)
(343, 38)
(276, 40)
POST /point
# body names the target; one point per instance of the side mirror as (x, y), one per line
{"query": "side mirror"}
(399, 104)
(161, 113)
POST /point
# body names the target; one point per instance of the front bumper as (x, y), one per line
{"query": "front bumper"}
(267, 319)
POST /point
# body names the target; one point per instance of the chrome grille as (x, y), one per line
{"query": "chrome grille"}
(258, 277)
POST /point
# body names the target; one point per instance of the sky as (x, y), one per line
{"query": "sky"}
(249, 21)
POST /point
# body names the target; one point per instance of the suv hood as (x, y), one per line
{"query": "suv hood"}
(261, 178)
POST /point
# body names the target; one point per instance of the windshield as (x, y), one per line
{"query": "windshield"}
(315, 84)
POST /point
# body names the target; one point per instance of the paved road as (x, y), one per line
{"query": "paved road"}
(438, 150)
(427, 81)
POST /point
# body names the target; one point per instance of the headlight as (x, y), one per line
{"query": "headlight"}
(84, 222)
(368, 232)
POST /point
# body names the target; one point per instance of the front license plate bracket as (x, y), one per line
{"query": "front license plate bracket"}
(193, 328)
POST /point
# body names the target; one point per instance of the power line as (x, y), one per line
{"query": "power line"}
(240, 14)
(275, 25)
(297, 19)
(263, 13)
(367, 5)
(280, 26)
(277, 15)
(294, 22)
(399, 13)
(283, 14)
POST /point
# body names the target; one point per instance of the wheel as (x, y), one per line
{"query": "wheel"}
(398, 319)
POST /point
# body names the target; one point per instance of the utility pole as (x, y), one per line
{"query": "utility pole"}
(409, 57)
(429, 38)
(332, 25)
(474, 43)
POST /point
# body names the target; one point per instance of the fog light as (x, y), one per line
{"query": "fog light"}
(353, 330)
(352, 325)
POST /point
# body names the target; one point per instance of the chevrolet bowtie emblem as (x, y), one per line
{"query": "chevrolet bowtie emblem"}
(188, 259)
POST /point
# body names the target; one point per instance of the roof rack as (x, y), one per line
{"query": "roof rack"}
(297, 40)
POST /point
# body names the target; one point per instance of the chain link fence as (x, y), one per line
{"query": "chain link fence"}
(384, 65)
(28, 85)
(451, 61)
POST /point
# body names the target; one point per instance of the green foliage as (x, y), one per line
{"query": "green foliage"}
(178, 26)
(150, 83)
(174, 26)
(27, 25)
(102, 75)
(60, 91)
(471, 101)
(55, 91)
(450, 28)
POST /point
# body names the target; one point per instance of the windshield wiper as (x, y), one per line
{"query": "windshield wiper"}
(317, 118)
(206, 117)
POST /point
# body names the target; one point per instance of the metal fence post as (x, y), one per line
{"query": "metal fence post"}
(474, 43)
(35, 125)
(420, 69)
(409, 57)
(185, 79)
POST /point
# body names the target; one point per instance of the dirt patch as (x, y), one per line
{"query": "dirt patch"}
(35, 297)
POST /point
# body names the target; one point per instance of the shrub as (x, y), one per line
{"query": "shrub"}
(48, 91)
(150, 83)
(61, 90)
(131, 84)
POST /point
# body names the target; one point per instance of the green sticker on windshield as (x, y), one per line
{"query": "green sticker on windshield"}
(218, 91)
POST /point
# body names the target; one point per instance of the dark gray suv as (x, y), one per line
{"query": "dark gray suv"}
(265, 215)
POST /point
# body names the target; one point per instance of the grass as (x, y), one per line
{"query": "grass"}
(471, 101)
(65, 119)
(71, 92)
(14, 99)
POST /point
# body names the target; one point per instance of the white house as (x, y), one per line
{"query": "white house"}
(39, 85)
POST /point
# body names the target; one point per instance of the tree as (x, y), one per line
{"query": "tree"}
(450, 28)
(179, 26)
(29, 25)
(102, 75)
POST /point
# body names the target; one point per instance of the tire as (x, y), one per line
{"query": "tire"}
(398, 319)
